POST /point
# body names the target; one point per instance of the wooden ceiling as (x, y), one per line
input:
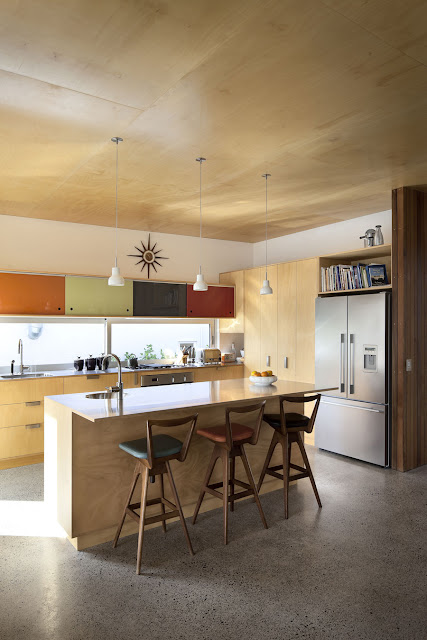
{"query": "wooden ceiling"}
(330, 97)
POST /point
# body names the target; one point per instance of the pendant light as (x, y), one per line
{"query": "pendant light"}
(200, 284)
(116, 280)
(266, 289)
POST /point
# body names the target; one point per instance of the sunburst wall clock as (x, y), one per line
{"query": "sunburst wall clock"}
(148, 256)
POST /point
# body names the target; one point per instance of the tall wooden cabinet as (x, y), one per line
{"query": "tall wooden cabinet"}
(252, 285)
(286, 320)
(236, 324)
(268, 313)
(307, 289)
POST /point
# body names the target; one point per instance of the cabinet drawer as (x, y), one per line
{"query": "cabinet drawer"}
(131, 380)
(21, 391)
(15, 415)
(21, 441)
(85, 384)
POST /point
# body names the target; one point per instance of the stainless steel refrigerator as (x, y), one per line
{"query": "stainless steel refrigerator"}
(353, 354)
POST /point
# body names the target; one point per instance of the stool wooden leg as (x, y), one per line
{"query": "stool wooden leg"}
(232, 476)
(225, 487)
(286, 457)
(270, 452)
(144, 491)
(307, 466)
(214, 457)
(132, 488)
(178, 506)
(162, 494)
(253, 485)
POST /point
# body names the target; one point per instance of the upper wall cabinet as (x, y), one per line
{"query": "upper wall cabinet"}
(29, 294)
(216, 302)
(93, 297)
(159, 299)
(236, 324)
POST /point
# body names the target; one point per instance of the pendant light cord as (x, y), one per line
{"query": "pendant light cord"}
(266, 176)
(117, 180)
(200, 160)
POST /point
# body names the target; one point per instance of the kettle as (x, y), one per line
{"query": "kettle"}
(368, 238)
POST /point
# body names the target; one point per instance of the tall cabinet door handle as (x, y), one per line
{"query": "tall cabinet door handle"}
(342, 366)
(351, 363)
(285, 362)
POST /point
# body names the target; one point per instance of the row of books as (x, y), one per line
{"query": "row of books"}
(346, 277)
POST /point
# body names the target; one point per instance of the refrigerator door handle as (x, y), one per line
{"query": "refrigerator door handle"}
(351, 363)
(337, 404)
(342, 367)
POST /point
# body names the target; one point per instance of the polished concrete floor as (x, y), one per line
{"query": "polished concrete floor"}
(22, 483)
(355, 569)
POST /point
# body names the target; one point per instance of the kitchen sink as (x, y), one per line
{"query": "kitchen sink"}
(17, 376)
(103, 395)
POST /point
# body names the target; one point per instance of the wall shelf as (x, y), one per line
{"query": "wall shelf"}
(380, 254)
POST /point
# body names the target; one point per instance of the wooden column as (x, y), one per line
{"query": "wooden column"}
(409, 334)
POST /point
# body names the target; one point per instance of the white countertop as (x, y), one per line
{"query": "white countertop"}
(179, 396)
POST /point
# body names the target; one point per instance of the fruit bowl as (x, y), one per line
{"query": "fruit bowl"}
(263, 381)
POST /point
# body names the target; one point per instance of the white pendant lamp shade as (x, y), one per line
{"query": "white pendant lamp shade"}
(200, 284)
(116, 280)
(266, 290)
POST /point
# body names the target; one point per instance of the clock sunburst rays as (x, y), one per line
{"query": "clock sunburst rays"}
(148, 256)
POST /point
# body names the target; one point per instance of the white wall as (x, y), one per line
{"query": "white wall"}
(331, 238)
(28, 244)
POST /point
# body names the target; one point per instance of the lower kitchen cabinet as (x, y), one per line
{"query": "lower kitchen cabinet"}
(20, 442)
(22, 419)
(219, 372)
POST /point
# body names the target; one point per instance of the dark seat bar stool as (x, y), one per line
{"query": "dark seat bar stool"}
(153, 455)
(229, 440)
(287, 429)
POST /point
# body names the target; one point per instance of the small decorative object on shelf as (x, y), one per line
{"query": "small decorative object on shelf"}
(345, 277)
(148, 256)
(368, 238)
(378, 237)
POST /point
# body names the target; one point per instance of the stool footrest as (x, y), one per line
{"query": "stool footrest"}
(240, 483)
(241, 494)
(213, 492)
(130, 512)
(161, 516)
(298, 476)
(270, 472)
(297, 468)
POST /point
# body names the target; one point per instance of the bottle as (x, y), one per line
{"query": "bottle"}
(378, 237)
(233, 351)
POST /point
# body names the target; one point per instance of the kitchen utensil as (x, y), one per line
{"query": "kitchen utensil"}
(211, 355)
(78, 364)
(378, 237)
(368, 238)
(99, 363)
(90, 363)
(263, 381)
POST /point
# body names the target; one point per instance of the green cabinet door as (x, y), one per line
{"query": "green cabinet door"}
(93, 297)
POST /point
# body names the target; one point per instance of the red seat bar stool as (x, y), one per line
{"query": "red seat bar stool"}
(229, 440)
(287, 429)
(153, 455)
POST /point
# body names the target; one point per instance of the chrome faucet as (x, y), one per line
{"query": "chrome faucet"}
(21, 353)
(119, 386)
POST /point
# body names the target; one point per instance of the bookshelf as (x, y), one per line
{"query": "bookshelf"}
(365, 255)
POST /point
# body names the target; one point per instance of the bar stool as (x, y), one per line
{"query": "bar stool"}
(287, 429)
(153, 455)
(229, 440)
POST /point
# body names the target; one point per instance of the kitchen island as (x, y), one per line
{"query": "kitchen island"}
(86, 474)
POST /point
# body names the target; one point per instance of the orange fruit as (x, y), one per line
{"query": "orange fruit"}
(265, 374)
(255, 373)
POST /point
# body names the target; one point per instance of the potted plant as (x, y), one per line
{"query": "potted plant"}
(131, 360)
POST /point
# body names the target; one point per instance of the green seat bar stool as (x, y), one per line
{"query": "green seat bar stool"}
(229, 440)
(153, 455)
(288, 428)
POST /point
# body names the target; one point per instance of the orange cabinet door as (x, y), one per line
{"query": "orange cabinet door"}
(28, 294)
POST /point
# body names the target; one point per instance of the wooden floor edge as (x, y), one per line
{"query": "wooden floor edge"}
(21, 461)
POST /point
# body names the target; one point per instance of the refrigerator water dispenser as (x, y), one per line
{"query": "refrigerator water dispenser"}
(370, 358)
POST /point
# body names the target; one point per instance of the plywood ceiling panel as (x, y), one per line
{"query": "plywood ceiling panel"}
(329, 97)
